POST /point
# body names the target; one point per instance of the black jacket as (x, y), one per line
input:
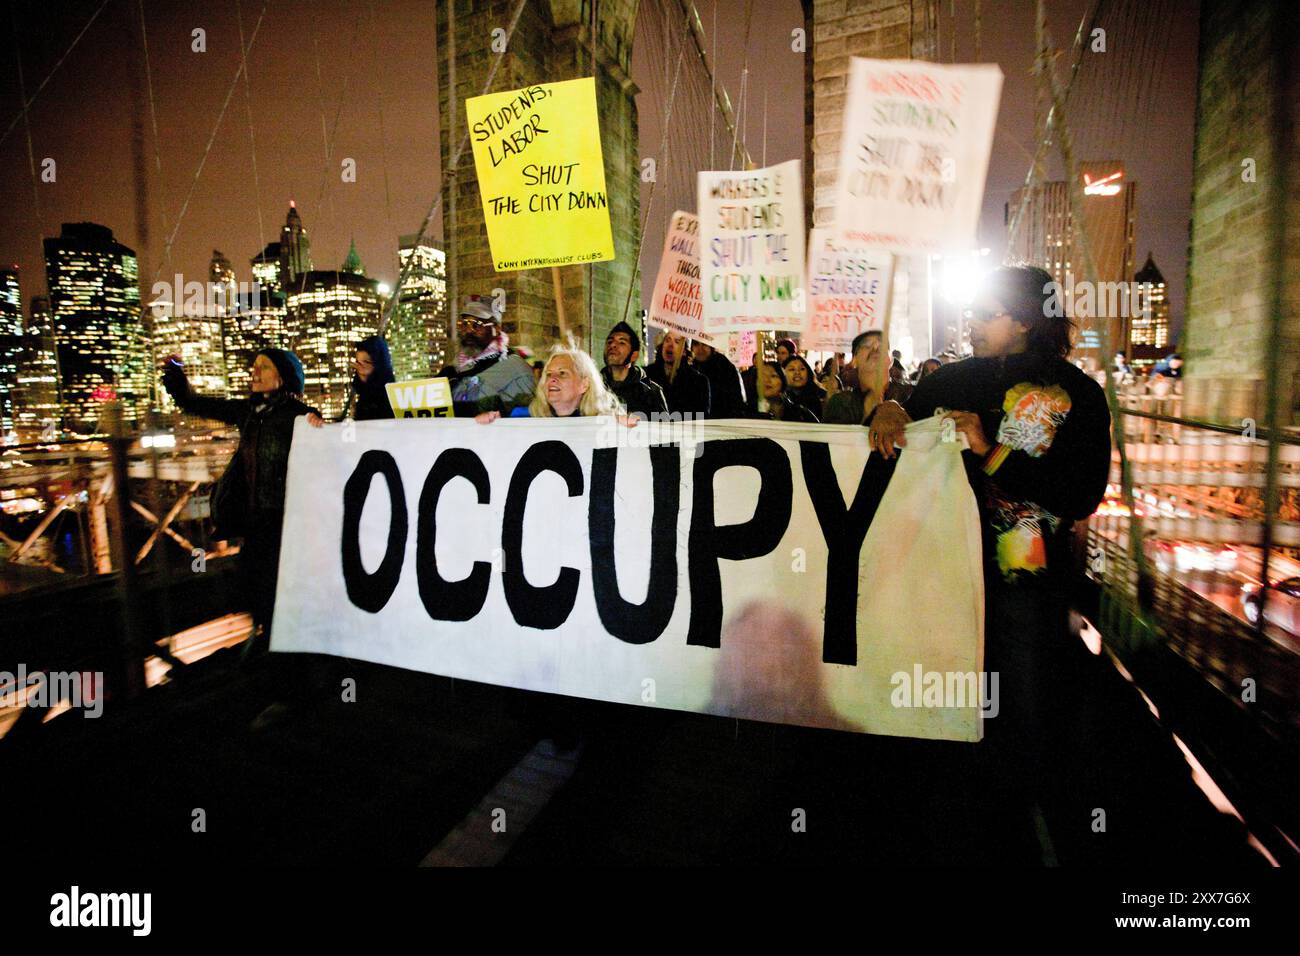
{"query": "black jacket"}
(372, 396)
(256, 475)
(812, 397)
(689, 392)
(791, 411)
(638, 393)
(726, 392)
(1050, 426)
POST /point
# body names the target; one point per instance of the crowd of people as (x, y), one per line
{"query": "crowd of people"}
(1037, 430)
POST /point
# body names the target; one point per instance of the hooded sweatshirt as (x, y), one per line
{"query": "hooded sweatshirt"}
(371, 395)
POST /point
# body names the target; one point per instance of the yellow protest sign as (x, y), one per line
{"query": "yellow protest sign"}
(541, 175)
(420, 398)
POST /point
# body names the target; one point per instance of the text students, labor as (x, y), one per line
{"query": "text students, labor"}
(1039, 458)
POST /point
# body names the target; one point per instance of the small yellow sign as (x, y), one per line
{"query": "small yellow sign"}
(541, 175)
(420, 398)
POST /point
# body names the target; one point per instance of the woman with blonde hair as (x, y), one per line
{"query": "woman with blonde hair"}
(570, 387)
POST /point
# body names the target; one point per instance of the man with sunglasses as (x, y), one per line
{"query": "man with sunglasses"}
(487, 375)
(1038, 430)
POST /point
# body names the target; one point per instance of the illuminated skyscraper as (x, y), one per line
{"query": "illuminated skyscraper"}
(192, 329)
(418, 333)
(11, 330)
(332, 311)
(95, 300)
(262, 322)
(1046, 238)
(295, 248)
(36, 395)
(1148, 335)
(266, 268)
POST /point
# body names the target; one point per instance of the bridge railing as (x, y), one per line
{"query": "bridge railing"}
(1183, 563)
(59, 500)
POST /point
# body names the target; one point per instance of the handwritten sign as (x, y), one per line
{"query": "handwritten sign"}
(751, 249)
(541, 175)
(420, 398)
(915, 153)
(847, 287)
(741, 347)
(431, 546)
(676, 302)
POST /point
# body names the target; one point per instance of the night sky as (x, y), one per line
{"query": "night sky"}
(1136, 102)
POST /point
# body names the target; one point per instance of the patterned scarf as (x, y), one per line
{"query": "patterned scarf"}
(465, 361)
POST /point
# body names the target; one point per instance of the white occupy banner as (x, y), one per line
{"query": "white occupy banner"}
(751, 248)
(914, 153)
(675, 304)
(848, 287)
(738, 573)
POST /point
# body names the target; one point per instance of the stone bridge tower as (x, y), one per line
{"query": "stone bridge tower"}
(552, 42)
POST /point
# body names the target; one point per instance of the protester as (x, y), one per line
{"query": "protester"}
(1171, 366)
(726, 391)
(927, 367)
(622, 376)
(487, 374)
(801, 387)
(854, 402)
(1039, 459)
(571, 388)
(781, 406)
(831, 383)
(372, 370)
(899, 388)
(248, 500)
(685, 389)
(784, 349)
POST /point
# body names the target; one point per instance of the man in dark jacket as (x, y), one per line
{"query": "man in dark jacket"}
(248, 501)
(726, 392)
(685, 389)
(625, 378)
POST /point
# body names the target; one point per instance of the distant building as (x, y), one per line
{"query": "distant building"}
(419, 331)
(1148, 330)
(330, 312)
(262, 324)
(103, 353)
(1046, 237)
(11, 330)
(295, 248)
(36, 394)
(193, 330)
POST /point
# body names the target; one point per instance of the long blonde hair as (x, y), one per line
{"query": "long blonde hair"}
(596, 400)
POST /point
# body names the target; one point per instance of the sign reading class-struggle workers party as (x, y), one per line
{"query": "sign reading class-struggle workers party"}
(541, 175)
(914, 153)
(676, 302)
(758, 570)
(751, 249)
(847, 292)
